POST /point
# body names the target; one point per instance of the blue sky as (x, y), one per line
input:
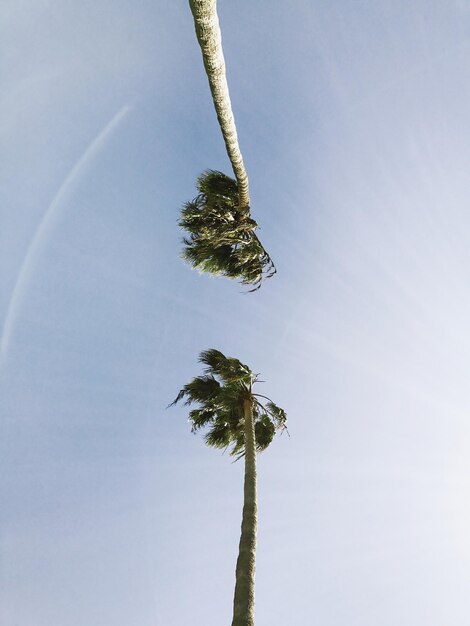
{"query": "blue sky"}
(353, 122)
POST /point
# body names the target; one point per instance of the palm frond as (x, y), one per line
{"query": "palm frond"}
(219, 435)
(278, 414)
(217, 186)
(230, 370)
(201, 417)
(264, 432)
(201, 389)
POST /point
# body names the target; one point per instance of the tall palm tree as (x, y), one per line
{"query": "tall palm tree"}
(234, 416)
(208, 34)
(220, 239)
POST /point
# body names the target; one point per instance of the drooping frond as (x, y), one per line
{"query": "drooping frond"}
(279, 415)
(221, 238)
(265, 430)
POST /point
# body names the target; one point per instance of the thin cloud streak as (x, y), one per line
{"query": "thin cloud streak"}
(47, 221)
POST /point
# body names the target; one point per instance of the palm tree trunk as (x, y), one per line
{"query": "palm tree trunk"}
(244, 600)
(209, 37)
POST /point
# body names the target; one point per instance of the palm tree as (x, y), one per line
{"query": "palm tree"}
(220, 239)
(234, 416)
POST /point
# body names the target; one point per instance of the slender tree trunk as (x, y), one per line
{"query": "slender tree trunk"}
(244, 600)
(210, 39)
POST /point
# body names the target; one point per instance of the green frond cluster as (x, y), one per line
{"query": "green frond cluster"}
(221, 239)
(220, 394)
(230, 370)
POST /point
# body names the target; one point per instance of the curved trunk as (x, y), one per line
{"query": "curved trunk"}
(210, 39)
(244, 600)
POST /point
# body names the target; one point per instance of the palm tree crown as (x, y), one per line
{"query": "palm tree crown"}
(221, 393)
(221, 238)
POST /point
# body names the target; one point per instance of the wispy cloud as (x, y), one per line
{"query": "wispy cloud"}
(50, 216)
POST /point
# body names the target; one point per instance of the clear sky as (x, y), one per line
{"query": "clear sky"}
(353, 119)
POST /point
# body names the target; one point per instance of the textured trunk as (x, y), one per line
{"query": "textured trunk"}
(209, 38)
(244, 600)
